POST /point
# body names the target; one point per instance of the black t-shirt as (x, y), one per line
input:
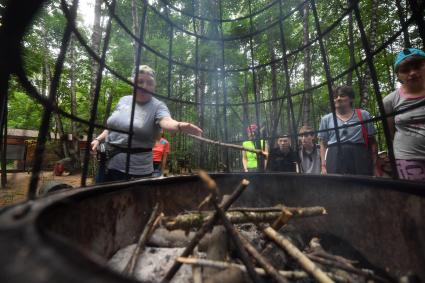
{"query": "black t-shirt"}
(280, 161)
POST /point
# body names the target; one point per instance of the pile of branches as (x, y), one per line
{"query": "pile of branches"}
(246, 244)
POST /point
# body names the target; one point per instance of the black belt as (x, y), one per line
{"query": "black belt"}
(130, 150)
(347, 143)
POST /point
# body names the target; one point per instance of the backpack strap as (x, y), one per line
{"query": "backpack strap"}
(364, 130)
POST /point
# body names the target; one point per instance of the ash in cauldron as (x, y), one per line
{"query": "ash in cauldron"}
(70, 236)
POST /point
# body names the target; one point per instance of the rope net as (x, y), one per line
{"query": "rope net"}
(218, 64)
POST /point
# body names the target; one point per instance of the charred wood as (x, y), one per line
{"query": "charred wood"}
(230, 275)
(207, 226)
(293, 275)
(294, 252)
(262, 261)
(150, 226)
(238, 243)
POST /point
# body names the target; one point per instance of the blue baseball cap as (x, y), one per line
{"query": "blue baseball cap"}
(407, 53)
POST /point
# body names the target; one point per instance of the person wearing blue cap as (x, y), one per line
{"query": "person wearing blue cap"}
(408, 128)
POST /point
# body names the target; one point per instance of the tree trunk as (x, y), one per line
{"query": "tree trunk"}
(108, 107)
(401, 16)
(350, 46)
(96, 39)
(75, 157)
(63, 138)
(274, 118)
(364, 93)
(135, 27)
(245, 106)
(45, 85)
(200, 85)
(306, 116)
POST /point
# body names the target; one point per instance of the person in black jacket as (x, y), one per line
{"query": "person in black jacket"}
(282, 158)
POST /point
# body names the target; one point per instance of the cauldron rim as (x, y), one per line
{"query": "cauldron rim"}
(29, 221)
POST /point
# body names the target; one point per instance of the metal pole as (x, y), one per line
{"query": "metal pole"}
(223, 81)
(288, 84)
(3, 138)
(260, 159)
(327, 73)
(374, 76)
(93, 112)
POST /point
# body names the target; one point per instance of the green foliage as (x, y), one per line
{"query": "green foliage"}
(42, 43)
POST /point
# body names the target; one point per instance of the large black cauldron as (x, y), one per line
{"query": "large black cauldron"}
(68, 236)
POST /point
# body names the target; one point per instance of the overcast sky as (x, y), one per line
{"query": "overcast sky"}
(86, 11)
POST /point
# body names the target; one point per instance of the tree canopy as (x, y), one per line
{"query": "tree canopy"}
(217, 66)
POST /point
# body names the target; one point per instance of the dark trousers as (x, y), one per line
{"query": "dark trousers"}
(354, 159)
(113, 175)
(157, 170)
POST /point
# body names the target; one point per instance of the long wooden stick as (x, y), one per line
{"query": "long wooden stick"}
(293, 251)
(205, 228)
(240, 247)
(262, 261)
(195, 219)
(229, 145)
(223, 265)
(129, 268)
(301, 211)
(346, 267)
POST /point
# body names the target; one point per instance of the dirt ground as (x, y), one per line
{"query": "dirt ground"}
(17, 185)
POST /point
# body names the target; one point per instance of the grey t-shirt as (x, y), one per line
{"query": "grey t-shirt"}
(145, 127)
(310, 161)
(352, 134)
(409, 137)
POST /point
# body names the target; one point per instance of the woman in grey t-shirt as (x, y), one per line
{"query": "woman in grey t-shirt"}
(356, 153)
(149, 117)
(408, 128)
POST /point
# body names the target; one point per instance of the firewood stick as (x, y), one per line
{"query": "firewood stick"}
(315, 248)
(223, 265)
(208, 224)
(197, 274)
(229, 145)
(261, 260)
(283, 219)
(195, 219)
(149, 227)
(211, 185)
(240, 247)
(337, 258)
(346, 267)
(293, 251)
(304, 211)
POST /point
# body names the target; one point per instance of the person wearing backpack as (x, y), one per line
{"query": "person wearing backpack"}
(357, 151)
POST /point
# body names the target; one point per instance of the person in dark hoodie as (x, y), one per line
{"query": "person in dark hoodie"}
(282, 158)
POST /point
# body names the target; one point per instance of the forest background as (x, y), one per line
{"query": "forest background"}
(194, 86)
